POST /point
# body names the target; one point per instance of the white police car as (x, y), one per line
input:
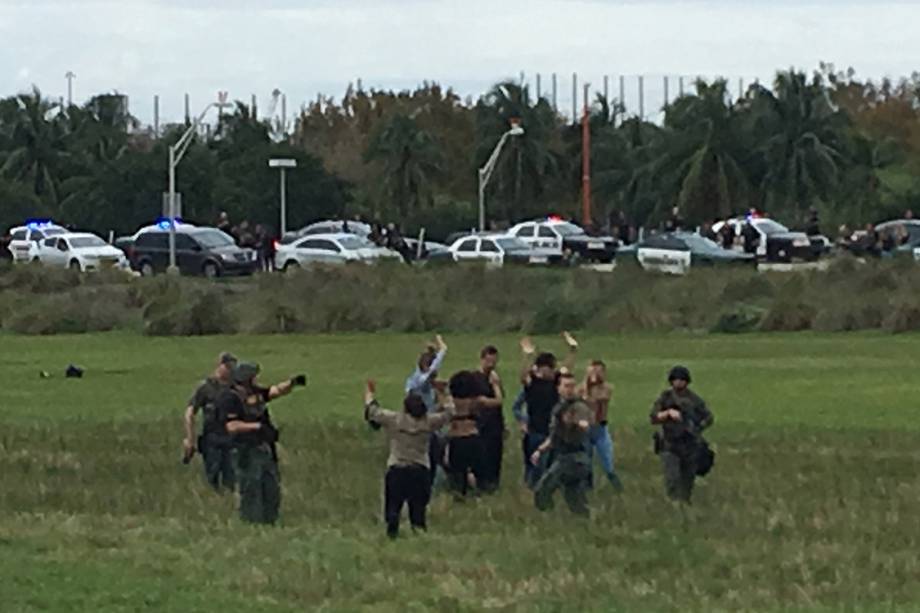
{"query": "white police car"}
(81, 251)
(25, 241)
(565, 238)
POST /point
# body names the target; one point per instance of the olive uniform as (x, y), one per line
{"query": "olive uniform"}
(214, 442)
(571, 465)
(254, 457)
(680, 442)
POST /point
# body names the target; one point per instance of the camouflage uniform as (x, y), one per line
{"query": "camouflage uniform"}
(214, 443)
(679, 443)
(254, 458)
(571, 465)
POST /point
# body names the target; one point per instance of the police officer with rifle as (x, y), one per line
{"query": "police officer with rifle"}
(683, 416)
(243, 410)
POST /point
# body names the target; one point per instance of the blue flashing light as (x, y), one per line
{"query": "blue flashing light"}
(38, 224)
(164, 224)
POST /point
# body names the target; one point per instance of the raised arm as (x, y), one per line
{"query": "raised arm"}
(528, 350)
(372, 409)
(286, 387)
(569, 362)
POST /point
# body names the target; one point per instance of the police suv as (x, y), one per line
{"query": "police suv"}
(25, 241)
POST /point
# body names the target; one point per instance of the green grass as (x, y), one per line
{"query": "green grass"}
(811, 506)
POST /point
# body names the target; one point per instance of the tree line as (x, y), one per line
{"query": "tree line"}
(847, 147)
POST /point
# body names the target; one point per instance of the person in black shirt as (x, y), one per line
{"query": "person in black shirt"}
(491, 421)
(751, 238)
(539, 378)
(727, 235)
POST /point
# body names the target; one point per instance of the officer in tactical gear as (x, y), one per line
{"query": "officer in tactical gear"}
(570, 469)
(213, 444)
(682, 416)
(242, 410)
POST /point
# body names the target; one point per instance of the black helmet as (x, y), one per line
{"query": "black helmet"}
(679, 372)
(243, 372)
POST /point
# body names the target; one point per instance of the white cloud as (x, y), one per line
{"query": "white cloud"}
(143, 47)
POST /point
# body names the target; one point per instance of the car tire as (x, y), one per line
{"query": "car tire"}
(146, 269)
(291, 266)
(210, 270)
(75, 265)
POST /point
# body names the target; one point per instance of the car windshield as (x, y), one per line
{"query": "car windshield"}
(213, 238)
(87, 241)
(568, 229)
(509, 243)
(353, 242)
(701, 243)
(768, 227)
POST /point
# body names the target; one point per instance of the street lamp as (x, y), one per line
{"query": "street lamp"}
(283, 164)
(176, 153)
(485, 173)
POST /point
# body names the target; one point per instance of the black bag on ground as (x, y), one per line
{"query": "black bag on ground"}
(705, 458)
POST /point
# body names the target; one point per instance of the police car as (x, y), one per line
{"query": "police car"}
(25, 241)
(498, 250)
(776, 242)
(677, 252)
(81, 251)
(565, 238)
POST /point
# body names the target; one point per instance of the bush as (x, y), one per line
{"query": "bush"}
(849, 296)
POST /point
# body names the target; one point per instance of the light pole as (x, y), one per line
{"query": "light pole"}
(70, 76)
(485, 173)
(283, 164)
(176, 153)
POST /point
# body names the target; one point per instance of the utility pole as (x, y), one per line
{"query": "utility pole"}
(666, 97)
(188, 111)
(156, 116)
(586, 163)
(574, 97)
(539, 89)
(623, 93)
(641, 97)
(70, 76)
(555, 97)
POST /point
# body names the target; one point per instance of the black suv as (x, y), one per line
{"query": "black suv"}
(199, 251)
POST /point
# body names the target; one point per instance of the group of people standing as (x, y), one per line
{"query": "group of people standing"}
(258, 238)
(456, 428)
(451, 433)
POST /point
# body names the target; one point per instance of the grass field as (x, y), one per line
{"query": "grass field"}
(812, 504)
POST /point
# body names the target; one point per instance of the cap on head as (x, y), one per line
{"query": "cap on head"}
(244, 372)
(227, 359)
(679, 372)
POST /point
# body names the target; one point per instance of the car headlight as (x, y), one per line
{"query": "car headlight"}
(227, 257)
(801, 242)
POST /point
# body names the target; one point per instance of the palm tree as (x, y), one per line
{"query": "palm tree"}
(703, 155)
(38, 138)
(800, 135)
(411, 158)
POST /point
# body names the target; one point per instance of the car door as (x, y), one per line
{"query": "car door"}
(548, 239)
(467, 250)
(157, 249)
(189, 255)
(527, 233)
(490, 252)
(47, 249)
(328, 252)
(60, 255)
(19, 243)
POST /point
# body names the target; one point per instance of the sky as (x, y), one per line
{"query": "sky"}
(171, 47)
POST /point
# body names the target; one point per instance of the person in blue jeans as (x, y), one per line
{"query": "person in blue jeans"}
(539, 377)
(597, 393)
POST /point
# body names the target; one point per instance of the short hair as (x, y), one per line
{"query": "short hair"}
(562, 376)
(599, 363)
(427, 356)
(414, 405)
(545, 359)
(463, 385)
(488, 350)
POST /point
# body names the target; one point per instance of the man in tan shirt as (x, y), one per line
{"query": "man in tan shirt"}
(408, 477)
